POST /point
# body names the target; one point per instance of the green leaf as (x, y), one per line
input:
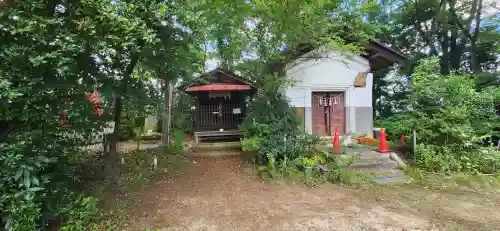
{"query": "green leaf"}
(27, 180)
(44, 159)
(35, 180)
(19, 173)
(35, 189)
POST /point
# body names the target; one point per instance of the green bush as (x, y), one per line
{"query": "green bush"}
(178, 140)
(449, 159)
(23, 214)
(271, 129)
(182, 112)
(282, 150)
(35, 182)
(79, 214)
(453, 120)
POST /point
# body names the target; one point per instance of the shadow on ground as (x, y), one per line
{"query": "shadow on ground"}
(224, 194)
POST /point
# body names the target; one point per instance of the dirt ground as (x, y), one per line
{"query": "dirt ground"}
(224, 194)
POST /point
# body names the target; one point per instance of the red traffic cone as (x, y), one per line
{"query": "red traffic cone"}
(383, 147)
(336, 141)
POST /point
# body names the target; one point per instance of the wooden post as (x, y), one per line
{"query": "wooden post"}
(197, 118)
(169, 112)
(166, 117)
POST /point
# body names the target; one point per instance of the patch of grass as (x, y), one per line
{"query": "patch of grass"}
(442, 180)
(134, 182)
(287, 174)
(351, 178)
(137, 170)
(292, 174)
(327, 168)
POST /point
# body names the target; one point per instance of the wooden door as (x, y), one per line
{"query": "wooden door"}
(328, 113)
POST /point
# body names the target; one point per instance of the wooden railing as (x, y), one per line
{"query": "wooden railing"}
(221, 116)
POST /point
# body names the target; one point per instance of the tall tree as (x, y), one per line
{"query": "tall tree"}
(53, 55)
(460, 33)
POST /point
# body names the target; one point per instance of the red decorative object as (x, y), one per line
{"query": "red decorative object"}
(367, 140)
(402, 139)
(219, 87)
(95, 99)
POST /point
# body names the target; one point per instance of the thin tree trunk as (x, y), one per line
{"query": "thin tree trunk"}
(139, 133)
(445, 58)
(111, 169)
(164, 124)
(474, 46)
(465, 26)
(455, 50)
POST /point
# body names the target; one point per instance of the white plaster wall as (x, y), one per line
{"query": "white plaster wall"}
(362, 96)
(332, 72)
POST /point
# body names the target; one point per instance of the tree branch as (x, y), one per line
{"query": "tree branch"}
(478, 20)
(466, 28)
(426, 35)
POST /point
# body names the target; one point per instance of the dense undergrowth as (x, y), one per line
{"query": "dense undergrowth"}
(282, 151)
(455, 122)
(57, 57)
(111, 203)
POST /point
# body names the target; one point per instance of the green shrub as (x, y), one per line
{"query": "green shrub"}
(281, 150)
(35, 180)
(447, 159)
(453, 120)
(23, 214)
(79, 214)
(182, 112)
(178, 140)
(271, 130)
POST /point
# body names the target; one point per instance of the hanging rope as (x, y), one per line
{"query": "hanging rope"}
(328, 101)
(220, 109)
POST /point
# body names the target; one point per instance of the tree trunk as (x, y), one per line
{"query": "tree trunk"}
(475, 66)
(455, 50)
(111, 169)
(465, 26)
(445, 58)
(164, 124)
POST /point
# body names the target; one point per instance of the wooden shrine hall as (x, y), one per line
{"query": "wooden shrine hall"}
(221, 99)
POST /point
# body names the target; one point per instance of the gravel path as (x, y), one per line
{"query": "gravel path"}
(224, 194)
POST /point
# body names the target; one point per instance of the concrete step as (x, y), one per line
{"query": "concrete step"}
(371, 161)
(212, 146)
(396, 178)
(375, 159)
(373, 168)
(214, 153)
(372, 164)
(381, 164)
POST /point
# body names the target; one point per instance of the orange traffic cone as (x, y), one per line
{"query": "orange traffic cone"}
(336, 141)
(383, 147)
